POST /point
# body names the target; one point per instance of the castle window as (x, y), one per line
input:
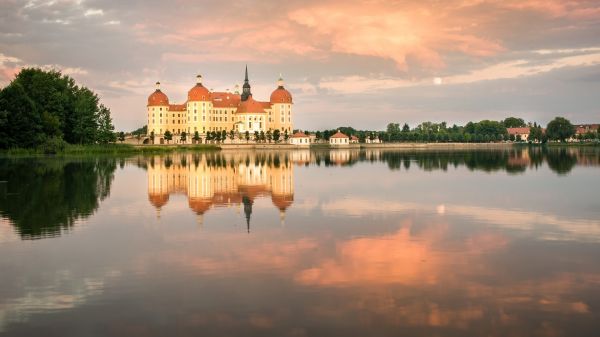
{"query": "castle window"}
(194, 118)
(160, 109)
(203, 118)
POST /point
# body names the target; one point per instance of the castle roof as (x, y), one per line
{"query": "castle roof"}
(158, 200)
(252, 106)
(281, 95)
(177, 107)
(199, 93)
(225, 99)
(282, 201)
(158, 98)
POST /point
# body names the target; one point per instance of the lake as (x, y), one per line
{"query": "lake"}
(302, 243)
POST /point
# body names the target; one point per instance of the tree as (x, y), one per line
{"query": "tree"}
(560, 129)
(262, 136)
(196, 137)
(318, 135)
(106, 129)
(183, 137)
(269, 135)
(19, 121)
(256, 136)
(286, 136)
(41, 105)
(405, 128)
(138, 136)
(276, 135)
(121, 136)
(247, 136)
(535, 133)
(168, 136)
(514, 122)
(152, 136)
(223, 135)
(231, 135)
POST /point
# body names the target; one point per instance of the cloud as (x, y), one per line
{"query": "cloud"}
(93, 12)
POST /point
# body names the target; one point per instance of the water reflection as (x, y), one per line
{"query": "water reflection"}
(223, 179)
(43, 197)
(375, 243)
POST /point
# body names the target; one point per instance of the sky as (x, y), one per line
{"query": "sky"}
(347, 63)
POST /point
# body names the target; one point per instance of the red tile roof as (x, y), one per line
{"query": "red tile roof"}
(518, 131)
(177, 107)
(299, 134)
(339, 135)
(158, 98)
(198, 93)
(280, 95)
(225, 100)
(251, 106)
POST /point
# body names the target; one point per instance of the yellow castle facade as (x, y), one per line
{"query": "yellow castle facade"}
(207, 111)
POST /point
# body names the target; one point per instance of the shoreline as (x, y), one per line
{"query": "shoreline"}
(167, 148)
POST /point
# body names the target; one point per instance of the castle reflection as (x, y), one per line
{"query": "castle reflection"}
(238, 178)
(223, 179)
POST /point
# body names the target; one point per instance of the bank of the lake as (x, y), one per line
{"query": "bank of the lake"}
(111, 149)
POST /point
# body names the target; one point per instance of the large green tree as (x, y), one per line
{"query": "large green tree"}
(560, 129)
(40, 105)
(514, 122)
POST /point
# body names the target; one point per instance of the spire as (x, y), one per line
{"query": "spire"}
(246, 87)
(157, 85)
(282, 217)
(199, 79)
(247, 210)
(280, 82)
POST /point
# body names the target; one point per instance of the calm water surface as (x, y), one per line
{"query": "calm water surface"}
(301, 243)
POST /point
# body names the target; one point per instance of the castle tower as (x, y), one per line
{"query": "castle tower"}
(246, 87)
(158, 109)
(281, 106)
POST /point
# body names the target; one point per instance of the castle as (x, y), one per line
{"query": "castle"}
(206, 111)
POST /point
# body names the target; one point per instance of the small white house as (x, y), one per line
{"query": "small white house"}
(339, 139)
(300, 139)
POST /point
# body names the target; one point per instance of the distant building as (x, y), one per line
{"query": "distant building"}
(519, 133)
(300, 139)
(339, 139)
(206, 111)
(581, 129)
(353, 139)
(372, 141)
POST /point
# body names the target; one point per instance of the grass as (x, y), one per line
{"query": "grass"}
(71, 149)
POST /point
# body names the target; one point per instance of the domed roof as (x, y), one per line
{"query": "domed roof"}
(281, 95)
(282, 201)
(251, 106)
(158, 98)
(158, 200)
(199, 205)
(199, 93)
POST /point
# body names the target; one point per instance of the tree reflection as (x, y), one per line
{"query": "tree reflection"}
(43, 197)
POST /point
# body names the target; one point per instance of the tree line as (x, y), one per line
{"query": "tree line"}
(559, 129)
(48, 109)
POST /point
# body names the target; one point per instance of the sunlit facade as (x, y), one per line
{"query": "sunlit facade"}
(210, 111)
